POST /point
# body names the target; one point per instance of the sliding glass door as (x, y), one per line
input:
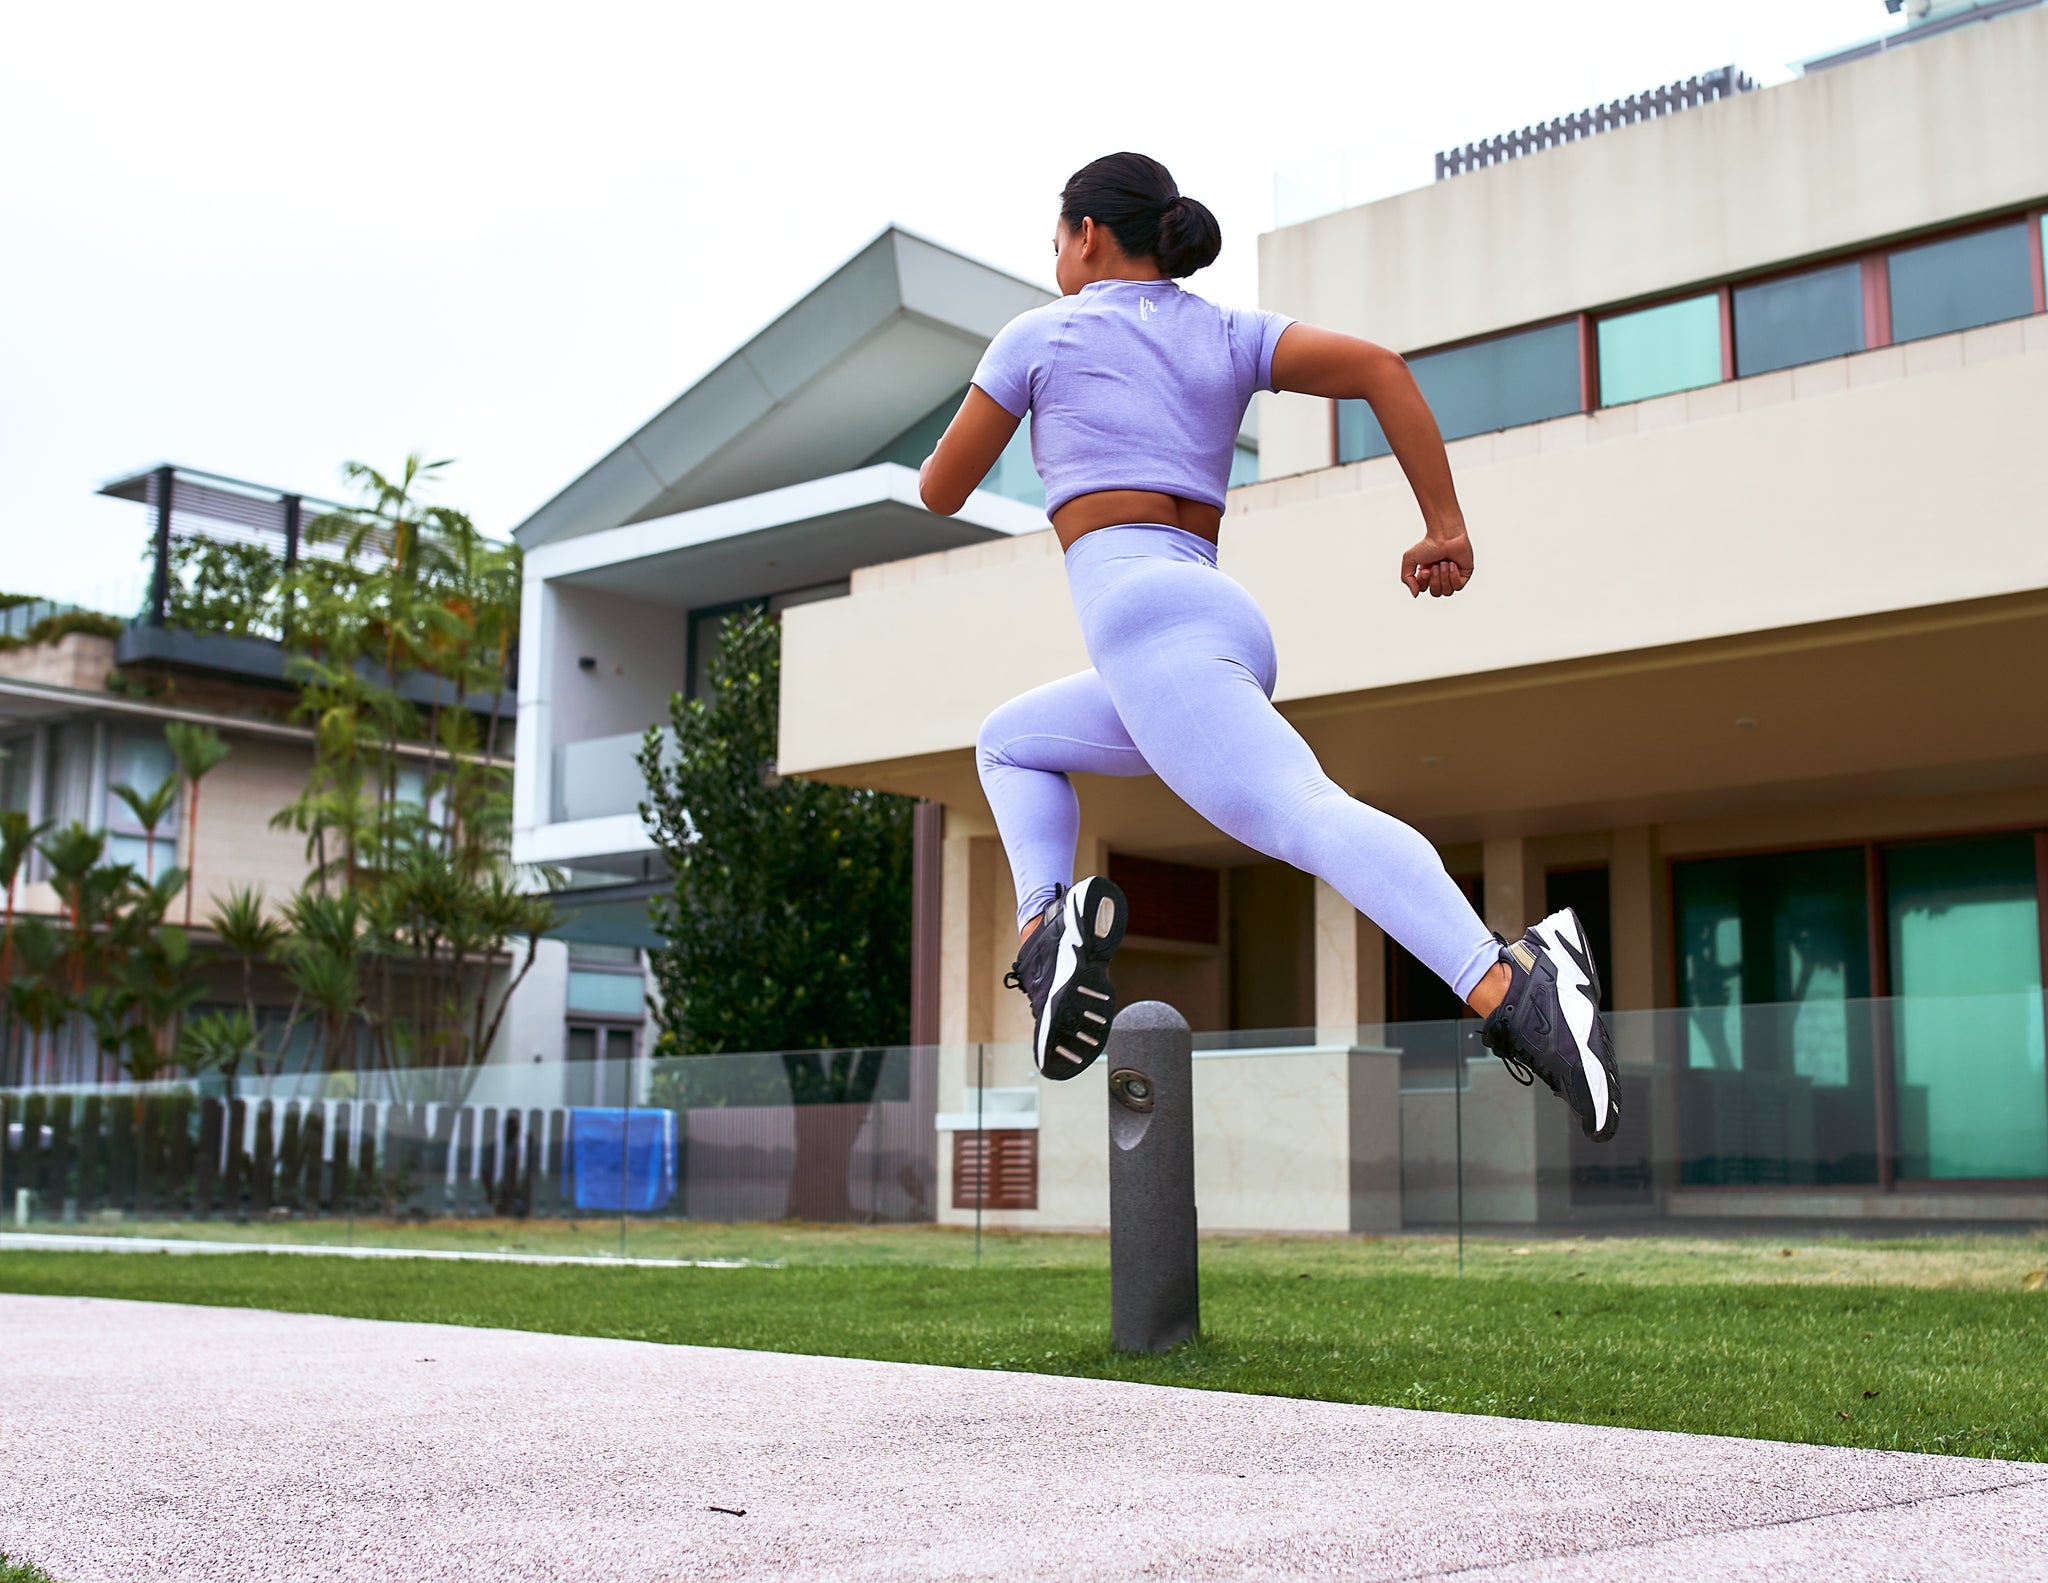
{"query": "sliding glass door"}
(1965, 936)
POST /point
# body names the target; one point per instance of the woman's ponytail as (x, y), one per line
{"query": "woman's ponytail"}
(1135, 197)
(1189, 238)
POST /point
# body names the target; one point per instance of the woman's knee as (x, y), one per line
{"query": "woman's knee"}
(992, 741)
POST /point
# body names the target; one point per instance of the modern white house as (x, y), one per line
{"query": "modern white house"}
(769, 480)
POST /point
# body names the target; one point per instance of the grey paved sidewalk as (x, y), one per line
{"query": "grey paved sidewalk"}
(146, 1442)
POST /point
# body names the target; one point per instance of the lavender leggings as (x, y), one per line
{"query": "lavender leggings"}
(1182, 689)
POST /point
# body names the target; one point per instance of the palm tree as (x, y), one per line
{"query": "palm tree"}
(199, 750)
(220, 1042)
(17, 839)
(150, 811)
(36, 995)
(74, 854)
(250, 936)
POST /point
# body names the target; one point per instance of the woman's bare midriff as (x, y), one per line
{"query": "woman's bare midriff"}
(1116, 508)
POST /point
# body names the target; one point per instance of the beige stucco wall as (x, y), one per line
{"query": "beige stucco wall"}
(1811, 495)
(78, 659)
(1287, 1140)
(236, 844)
(1913, 138)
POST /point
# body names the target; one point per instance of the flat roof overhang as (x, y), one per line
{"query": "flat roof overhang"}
(869, 351)
(783, 539)
(1896, 706)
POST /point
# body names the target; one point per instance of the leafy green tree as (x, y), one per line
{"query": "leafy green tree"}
(789, 924)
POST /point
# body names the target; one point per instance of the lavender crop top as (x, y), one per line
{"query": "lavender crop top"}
(1132, 384)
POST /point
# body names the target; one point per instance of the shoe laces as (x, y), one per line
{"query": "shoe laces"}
(1518, 1069)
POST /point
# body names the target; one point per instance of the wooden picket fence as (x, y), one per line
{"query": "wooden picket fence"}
(176, 1156)
(173, 1156)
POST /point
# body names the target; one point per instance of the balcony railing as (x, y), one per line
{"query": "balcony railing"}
(600, 778)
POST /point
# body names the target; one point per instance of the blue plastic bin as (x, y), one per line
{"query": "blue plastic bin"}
(621, 1159)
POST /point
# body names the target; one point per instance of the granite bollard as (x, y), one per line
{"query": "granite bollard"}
(1155, 1295)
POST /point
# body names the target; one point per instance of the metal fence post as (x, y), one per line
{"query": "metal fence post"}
(160, 573)
(1155, 1294)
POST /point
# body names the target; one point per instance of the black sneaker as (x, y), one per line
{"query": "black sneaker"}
(1549, 1024)
(1063, 970)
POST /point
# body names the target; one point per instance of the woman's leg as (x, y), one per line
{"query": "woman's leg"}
(1186, 658)
(1024, 752)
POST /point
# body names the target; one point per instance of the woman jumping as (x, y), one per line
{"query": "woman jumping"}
(1136, 389)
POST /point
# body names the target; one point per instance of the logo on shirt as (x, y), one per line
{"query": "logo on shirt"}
(1147, 307)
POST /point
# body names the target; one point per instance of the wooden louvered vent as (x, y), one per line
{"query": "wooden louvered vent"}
(995, 1170)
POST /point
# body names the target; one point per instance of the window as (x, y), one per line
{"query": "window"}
(1656, 351)
(1779, 1082)
(1961, 281)
(17, 771)
(600, 1066)
(142, 763)
(1966, 963)
(607, 992)
(1015, 476)
(1798, 319)
(1494, 384)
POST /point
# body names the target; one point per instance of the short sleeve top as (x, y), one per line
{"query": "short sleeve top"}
(1132, 384)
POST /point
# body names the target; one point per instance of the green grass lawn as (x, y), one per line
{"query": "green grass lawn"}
(1930, 1345)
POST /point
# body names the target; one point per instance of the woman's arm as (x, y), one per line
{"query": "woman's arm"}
(966, 451)
(1319, 362)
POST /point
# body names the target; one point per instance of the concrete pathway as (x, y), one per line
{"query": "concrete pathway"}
(150, 1442)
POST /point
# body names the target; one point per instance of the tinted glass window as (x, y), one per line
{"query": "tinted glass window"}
(1963, 281)
(1966, 966)
(1496, 384)
(1015, 476)
(1774, 969)
(1655, 351)
(1800, 319)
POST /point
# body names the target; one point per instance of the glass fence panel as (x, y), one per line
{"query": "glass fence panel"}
(1398, 1127)
(823, 1137)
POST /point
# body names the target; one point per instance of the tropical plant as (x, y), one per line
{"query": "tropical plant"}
(150, 810)
(37, 994)
(219, 585)
(251, 936)
(199, 751)
(17, 839)
(399, 630)
(73, 853)
(219, 1041)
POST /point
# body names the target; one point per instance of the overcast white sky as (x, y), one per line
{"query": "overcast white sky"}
(264, 239)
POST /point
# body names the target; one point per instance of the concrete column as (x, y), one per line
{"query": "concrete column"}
(1514, 886)
(968, 976)
(1516, 1148)
(1350, 968)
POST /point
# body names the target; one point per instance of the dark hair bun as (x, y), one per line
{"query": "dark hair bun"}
(1189, 238)
(1135, 197)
